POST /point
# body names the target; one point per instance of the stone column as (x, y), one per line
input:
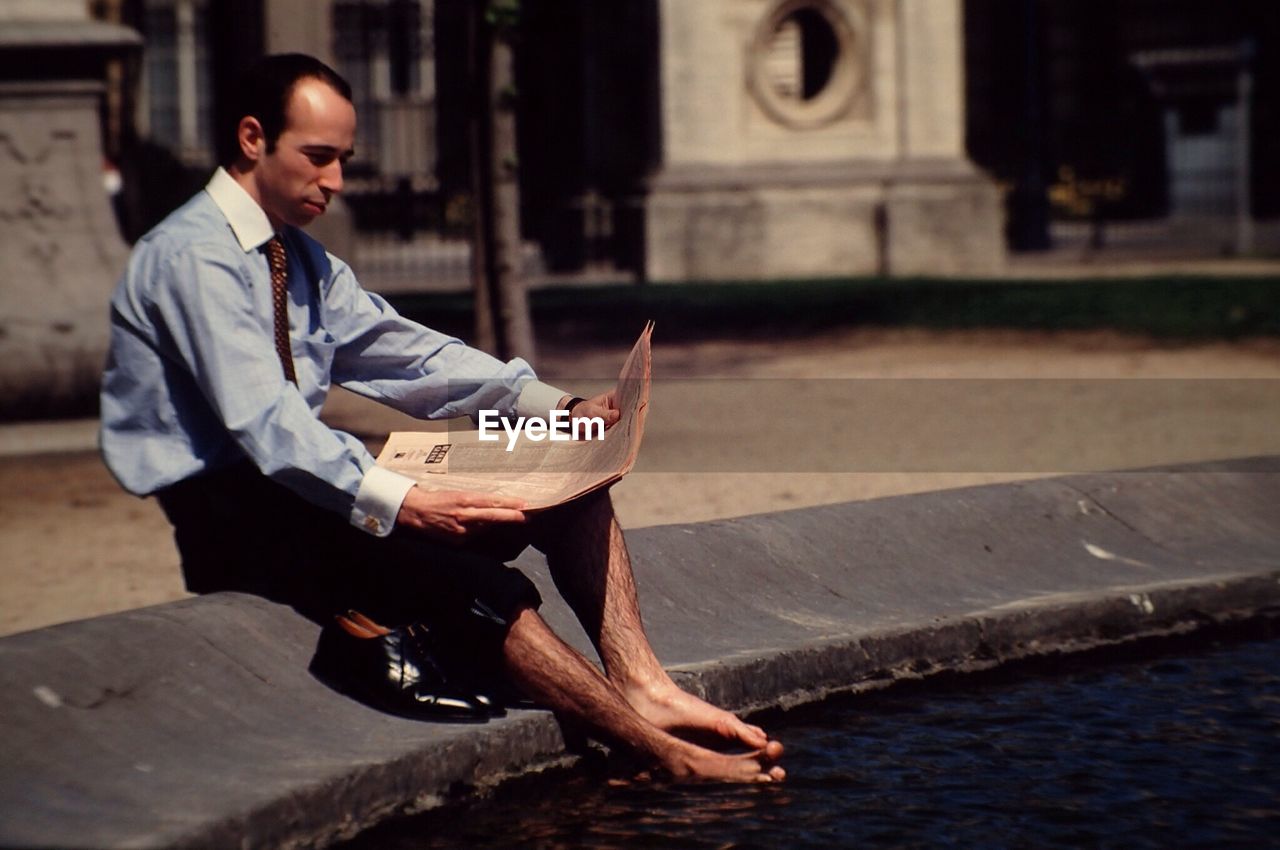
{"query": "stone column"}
(305, 26)
(59, 240)
(815, 138)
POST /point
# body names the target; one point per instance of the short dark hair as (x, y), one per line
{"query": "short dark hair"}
(263, 92)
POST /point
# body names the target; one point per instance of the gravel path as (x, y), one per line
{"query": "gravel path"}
(867, 414)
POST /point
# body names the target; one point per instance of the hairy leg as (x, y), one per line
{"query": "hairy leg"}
(591, 567)
(555, 675)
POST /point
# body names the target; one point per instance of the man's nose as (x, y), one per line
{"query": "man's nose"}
(331, 177)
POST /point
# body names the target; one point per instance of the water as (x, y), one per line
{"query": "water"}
(1170, 752)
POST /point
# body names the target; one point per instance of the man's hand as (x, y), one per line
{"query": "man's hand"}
(604, 406)
(454, 516)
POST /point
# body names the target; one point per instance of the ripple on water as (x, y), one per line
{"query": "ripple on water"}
(1172, 753)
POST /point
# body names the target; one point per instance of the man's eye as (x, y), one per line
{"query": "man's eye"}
(321, 158)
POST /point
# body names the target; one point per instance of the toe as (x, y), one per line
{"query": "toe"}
(752, 736)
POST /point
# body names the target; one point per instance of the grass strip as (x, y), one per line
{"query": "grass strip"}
(1168, 308)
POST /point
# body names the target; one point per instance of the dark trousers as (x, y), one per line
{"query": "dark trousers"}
(238, 530)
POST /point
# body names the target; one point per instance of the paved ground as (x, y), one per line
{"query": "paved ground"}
(847, 416)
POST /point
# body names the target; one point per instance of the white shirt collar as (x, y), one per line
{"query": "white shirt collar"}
(248, 222)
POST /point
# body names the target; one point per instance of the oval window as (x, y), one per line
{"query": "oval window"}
(802, 55)
(803, 64)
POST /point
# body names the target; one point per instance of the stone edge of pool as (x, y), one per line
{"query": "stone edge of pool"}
(195, 724)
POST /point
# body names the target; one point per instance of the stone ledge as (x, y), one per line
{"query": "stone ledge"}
(692, 177)
(827, 219)
(195, 724)
(67, 35)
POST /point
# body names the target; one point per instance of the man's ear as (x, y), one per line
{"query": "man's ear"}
(253, 142)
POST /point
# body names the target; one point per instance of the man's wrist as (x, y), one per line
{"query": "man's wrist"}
(538, 399)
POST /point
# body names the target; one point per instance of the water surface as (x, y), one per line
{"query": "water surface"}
(1171, 752)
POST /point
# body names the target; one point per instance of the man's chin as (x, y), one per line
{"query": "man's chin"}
(303, 218)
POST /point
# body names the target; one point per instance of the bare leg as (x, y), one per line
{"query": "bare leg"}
(592, 570)
(555, 675)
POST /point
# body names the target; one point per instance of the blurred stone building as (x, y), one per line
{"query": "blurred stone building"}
(726, 139)
(747, 139)
(59, 244)
(723, 139)
(1136, 126)
(660, 139)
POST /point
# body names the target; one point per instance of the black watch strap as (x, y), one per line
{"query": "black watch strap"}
(573, 402)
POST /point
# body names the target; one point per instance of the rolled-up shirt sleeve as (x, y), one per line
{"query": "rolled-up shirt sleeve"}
(427, 374)
(538, 399)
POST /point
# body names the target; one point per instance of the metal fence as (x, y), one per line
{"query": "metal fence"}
(426, 262)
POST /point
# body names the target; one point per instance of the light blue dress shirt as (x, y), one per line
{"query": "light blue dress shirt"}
(193, 382)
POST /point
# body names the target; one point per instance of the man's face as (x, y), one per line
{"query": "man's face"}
(297, 179)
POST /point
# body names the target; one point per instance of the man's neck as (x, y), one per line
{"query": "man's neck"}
(245, 177)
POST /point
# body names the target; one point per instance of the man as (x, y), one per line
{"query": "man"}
(229, 327)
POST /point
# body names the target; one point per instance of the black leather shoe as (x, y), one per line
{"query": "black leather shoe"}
(395, 672)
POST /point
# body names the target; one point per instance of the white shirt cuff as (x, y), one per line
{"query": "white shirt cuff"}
(378, 500)
(538, 399)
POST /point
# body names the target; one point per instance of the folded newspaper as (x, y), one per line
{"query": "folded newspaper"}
(543, 472)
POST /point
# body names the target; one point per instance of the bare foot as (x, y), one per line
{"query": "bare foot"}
(695, 764)
(681, 713)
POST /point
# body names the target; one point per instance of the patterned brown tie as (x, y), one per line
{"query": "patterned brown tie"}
(279, 281)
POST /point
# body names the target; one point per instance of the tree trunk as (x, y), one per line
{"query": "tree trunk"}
(486, 335)
(503, 325)
(514, 322)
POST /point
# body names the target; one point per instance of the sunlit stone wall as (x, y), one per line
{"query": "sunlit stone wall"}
(816, 138)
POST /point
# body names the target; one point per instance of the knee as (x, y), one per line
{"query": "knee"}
(583, 517)
(595, 507)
